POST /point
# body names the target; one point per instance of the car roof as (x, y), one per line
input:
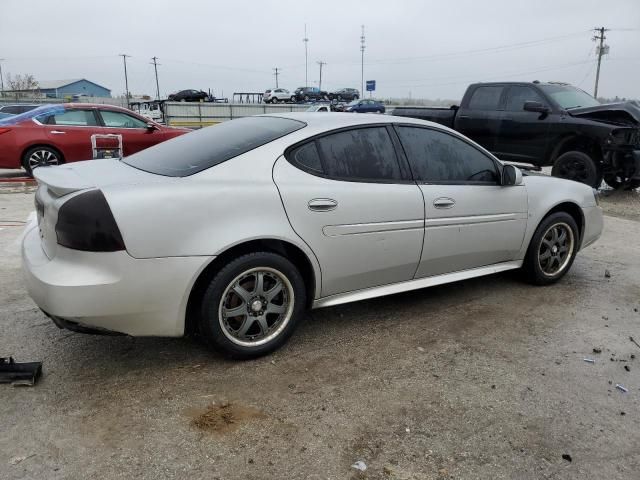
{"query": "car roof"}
(335, 120)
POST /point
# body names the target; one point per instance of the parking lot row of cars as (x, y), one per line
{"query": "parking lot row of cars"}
(306, 94)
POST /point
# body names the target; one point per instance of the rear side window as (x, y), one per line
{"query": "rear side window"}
(363, 154)
(71, 118)
(486, 98)
(518, 95)
(437, 157)
(202, 149)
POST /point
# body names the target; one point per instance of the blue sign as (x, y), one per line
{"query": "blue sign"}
(371, 85)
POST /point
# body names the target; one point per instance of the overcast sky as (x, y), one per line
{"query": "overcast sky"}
(426, 49)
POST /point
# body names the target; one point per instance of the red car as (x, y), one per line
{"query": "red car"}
(54, 134)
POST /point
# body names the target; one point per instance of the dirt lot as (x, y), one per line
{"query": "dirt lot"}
(481, 379)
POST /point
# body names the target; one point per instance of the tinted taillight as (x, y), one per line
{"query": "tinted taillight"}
(85, 222)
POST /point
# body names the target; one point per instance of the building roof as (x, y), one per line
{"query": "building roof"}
(53, 84)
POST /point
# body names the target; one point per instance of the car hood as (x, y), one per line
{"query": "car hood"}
(623, 113)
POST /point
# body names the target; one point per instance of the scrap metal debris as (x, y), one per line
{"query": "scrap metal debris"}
(19, 374)
(359, 465)
(621, 388)
(607, 274)
(633, 341)
(589, 360)
(567, 457)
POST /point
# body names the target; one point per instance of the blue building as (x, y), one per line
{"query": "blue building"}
(69, 88)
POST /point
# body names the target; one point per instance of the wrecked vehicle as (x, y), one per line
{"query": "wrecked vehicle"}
(548, 124)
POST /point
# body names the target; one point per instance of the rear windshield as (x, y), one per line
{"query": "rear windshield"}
(36, 112)
(202, 149)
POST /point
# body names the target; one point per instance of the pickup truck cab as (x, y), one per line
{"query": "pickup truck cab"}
(548, 124)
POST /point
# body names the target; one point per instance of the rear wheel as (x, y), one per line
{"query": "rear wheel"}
(578, 166)
(40, 157)
(293, 99)
(252, 305)
(552, 249)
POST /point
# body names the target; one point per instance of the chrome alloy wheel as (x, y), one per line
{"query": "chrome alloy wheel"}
(42, 158)
(256, 306)
(556, 249)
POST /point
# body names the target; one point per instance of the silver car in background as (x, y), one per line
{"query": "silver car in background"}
(234, 230)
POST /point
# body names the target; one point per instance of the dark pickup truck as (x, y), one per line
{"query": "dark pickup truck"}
(548, 124)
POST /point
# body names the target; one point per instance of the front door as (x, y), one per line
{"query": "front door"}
(470, 219)
(350, 199)
(135, 134)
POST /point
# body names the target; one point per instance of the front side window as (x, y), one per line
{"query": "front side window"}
(438, 157)
(121, 120)
(486, 98)
(71, 118)
(363, 154)
(517, 97)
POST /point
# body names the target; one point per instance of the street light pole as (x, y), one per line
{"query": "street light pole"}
(306, 67)
(362, 46)
(321, 63)
(1, 79)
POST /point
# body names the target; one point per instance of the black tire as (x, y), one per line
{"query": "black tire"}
(539, 270)
(55, 159)
(306, 98)
(293, 99)
(578, 166)
(356, 97)
(219, 333)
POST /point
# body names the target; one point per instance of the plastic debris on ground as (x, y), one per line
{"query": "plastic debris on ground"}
(359, 465)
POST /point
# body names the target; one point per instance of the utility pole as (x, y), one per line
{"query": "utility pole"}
(321, 63)
(126, 79)
(276, 73)
(362, 46)
(602, 49)
(1, 79)
(306, 56)
(155, 67)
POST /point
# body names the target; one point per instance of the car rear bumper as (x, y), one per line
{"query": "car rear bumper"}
(110, 291)
(593, 225)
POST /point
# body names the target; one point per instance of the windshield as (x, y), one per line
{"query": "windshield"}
(204, 148)
(569, 97)
(353, 103)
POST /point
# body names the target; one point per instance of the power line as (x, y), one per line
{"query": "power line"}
(155, 67)
(601, 49)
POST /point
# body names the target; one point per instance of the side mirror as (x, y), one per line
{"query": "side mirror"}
(511, 175)
(535, 107)
(152, 126)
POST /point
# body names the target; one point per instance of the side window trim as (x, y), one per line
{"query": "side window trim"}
(387, 126)
(497, 165)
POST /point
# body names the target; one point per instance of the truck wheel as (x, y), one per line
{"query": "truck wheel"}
(552, 249)
(578, 166)
(293, 99)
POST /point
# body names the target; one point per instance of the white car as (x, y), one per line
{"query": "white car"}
(234, 230)
(276, 95)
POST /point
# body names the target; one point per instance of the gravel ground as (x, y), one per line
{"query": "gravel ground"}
(480, 379)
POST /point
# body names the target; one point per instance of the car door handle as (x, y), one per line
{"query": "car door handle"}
(322, 204)
(444, 202)
(57, 132)
(464, 117)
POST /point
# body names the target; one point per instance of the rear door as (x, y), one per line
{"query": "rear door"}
(481, 118)
(135, 134)
(351, 200)
(523, 135)
(70, 132)
(470, 219)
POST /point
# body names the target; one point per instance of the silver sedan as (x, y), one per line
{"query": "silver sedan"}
(235, 230)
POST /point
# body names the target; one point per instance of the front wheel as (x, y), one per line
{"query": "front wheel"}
(252, 305)
(552, 249)
(578, 166)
